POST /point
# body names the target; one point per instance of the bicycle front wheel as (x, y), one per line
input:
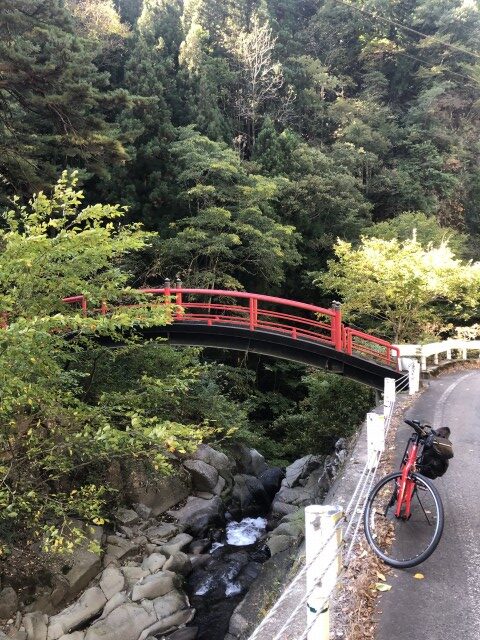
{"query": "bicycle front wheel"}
(403, 542)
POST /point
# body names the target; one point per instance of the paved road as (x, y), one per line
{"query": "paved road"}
(446, 604)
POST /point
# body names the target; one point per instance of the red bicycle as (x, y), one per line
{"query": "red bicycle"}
(404, 515)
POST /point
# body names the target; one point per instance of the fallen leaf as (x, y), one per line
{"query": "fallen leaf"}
(380, 576)
(381, 586)
(419, 576)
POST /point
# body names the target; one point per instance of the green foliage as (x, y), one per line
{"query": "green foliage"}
(401, 288)
(425, 229)
(57, 444)
(333, 408)
(54, 100)
(232, 235)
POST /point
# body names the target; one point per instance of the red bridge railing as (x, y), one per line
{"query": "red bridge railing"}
(298, 320)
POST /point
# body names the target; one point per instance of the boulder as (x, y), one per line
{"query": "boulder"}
(129, 618)
(214, 458)
(162, 494)
(127, 517)
(161, 533)
(271, 480)
(35, 625)
(112, 582)
(134, 575)
(258, 462)
(154, 586)
(76, 635)
(178, 563)
(280, 509)
(277, 544)
(170, 603)
(199, 515)
(8, 602)
(84, 609)
(204, 476)
(154, 562)
(176, 544)
(301, 469)
(249, 497)
(143, 511)
(120, 548)
(189, 633)
(116, 601)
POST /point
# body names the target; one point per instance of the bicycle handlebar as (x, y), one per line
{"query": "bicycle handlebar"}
(419, 429)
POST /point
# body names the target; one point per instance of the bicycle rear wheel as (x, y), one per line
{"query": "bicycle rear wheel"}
(403, 542)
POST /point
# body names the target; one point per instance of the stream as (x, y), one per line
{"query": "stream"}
(223, 574)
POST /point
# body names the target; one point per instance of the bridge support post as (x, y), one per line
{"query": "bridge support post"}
(323, 537)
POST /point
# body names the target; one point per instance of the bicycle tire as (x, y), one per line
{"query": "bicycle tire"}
(401, 532)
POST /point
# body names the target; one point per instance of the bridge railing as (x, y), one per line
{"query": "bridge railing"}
(255, 311)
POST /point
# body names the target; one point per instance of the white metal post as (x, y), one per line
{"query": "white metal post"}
(413, 377)
(389, 394)
(375, 436)
(322, 543)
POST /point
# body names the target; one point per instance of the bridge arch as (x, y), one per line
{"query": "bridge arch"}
(268, 325)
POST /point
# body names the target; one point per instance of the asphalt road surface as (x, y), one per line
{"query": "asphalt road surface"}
(445, 605)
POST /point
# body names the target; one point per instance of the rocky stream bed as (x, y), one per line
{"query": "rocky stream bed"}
(178, 562)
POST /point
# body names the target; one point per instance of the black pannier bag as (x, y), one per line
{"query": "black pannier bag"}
(435, 456)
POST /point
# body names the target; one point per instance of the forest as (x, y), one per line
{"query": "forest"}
(311, 149)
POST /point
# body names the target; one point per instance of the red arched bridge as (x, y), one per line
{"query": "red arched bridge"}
(268, 325)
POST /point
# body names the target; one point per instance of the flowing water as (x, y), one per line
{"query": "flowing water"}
(224, 575)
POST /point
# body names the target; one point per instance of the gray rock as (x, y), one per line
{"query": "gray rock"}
(204, 476)
(143, 511)
(280, 509)
(87, 607)
(161, 495)
(170, 623)
(258, 462)
(35, 625)
(154, 562)
(277, 544)
(271, 480)
(213, 457)
(341, 456)
(134, 575)
(298, 496)
(76, 635)
(161, 533)
(20, 634)
(154, 586)
(199, 515)
(292, 529)
(176, 544)
(60, 590)
(301, 469)
(127, 517)
(112, 582)
(120, 548)
(189, 633)
(8, 602)
(116, 601)
(170, 603)
(249, 497)
(86, 565)
(340, 444)
(220, 486)
(178, 563)
(130, 619)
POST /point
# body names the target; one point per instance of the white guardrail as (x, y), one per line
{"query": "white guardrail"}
(331, 533)
(453, 349)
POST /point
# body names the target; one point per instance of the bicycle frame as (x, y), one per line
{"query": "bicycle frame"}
(407, 485)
